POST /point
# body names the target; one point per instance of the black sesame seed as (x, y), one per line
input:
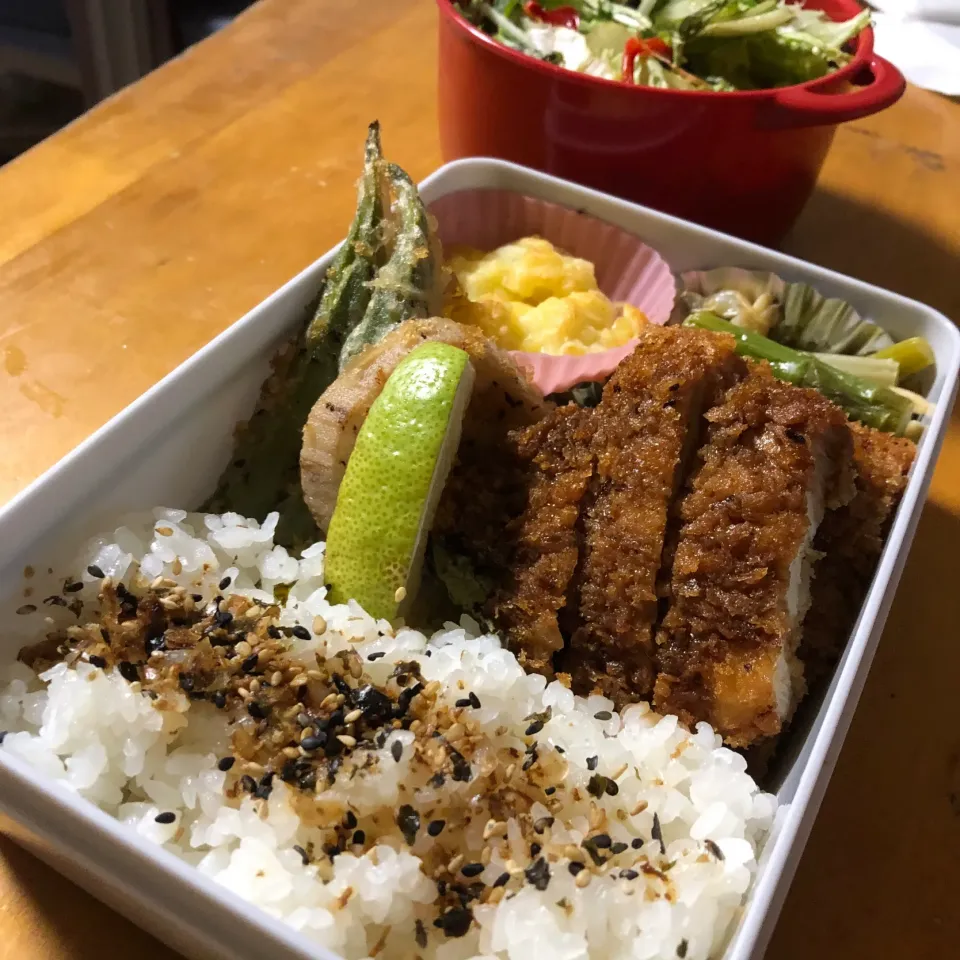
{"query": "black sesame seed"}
(611, 787)
(301, 633)
(657, 834)
(225, 763)
(502, 880)
(224, 583)
(535, 848)
(472, 869)
(95, 571)
(26, 609)
(257, 710)
(534, 728)
(359, 837)
(219, 699)
(248, 783)
(314, 742)
(463, 702)
(682, 949)
(437, 780)
(603, 715)
(543, 823)
(96, 661)
(304, 857)
(559, 749)
(274, 632)
(455, 922)
(538, 874)
(196, 597)
(223, 618)
(75, 587)
(474, 700)
(714, 849)
(408, 820)
(461, 769)
(602, 840)
(350, 820)
(331, 850)
(575, 867)
(420, 934)
(618, 848)
(592, 763)
(636, 843)
(167, 817)
(376, 656)
(550, 791)
(128, 671)
(396, 750)
(250, 664)
(629, 874)
(265, 787)
(435, 827)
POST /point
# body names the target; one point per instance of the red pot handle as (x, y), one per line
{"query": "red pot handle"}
(807, 107)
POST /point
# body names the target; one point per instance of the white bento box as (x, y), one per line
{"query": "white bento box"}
(169, 446)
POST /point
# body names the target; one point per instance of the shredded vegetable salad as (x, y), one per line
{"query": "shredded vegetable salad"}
(679, 44)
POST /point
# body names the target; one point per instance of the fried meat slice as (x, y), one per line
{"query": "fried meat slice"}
(776, 457)
(851, 540)
(645, 428)
(558, 464)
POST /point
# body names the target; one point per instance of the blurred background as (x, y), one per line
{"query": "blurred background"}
(59, 57)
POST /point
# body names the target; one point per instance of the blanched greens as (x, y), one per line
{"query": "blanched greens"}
(682, 44)
(863, 400)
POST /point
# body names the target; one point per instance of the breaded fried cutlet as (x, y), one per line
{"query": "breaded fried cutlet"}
(851, 540)
(645, 428)
(559, 465)
(776, 456)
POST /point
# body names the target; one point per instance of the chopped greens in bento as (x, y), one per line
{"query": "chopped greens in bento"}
(447, 668)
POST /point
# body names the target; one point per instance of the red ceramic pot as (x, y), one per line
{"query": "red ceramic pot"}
(742, 162)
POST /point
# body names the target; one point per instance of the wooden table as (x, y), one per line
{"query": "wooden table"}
(149, 225)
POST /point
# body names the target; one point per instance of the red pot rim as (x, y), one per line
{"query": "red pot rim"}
(861, 60)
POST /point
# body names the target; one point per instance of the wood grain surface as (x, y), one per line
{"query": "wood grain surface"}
(150, 224)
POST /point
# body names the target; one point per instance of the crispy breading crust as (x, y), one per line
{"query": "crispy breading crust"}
(744, 523)
(851, 540)
(644, 428)
(545, 541)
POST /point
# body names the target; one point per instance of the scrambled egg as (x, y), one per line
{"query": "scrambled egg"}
(530, 296)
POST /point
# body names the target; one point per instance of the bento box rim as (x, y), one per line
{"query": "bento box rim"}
(22, 512)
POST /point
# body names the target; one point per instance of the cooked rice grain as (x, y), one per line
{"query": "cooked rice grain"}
(630, 779)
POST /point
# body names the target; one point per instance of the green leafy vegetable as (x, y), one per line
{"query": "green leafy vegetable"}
(720, 44)
(877, 406)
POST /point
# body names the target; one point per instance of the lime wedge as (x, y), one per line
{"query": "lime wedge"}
(389, 494)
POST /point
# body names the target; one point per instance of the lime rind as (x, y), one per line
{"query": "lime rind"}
(393, 481)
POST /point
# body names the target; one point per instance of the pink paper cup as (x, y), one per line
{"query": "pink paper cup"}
(627, 270)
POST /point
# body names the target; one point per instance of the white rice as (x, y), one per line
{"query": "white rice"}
(100, 736)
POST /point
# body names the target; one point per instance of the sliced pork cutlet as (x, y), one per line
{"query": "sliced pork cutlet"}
(851, 540)
(776, 457)
(557, 462)
(645, 428)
